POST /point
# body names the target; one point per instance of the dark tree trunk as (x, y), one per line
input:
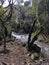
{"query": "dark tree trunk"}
(31, 43)
(29, 38)
(4, 36)
(3, 21)
(4, 43)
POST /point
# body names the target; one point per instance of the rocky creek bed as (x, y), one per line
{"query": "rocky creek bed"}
(24, 38)
(19, 55)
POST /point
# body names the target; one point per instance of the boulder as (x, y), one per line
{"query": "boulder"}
(34, 56)
(44, 48)
(34, 48)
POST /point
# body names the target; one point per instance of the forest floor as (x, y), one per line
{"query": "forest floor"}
(19, 55)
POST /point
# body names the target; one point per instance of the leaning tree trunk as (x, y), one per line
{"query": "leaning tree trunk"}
(30, 45)
(29, 38)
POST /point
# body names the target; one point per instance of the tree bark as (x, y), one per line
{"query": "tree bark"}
(29, 38)
(4, 43)
(31, 43)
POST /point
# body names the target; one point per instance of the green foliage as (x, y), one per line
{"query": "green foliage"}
(44, 17)
(7, 24)
(1, 12)
(9, 29)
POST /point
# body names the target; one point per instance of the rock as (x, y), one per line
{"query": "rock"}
(44, 48)
(24, 45)
(38, 63)
(28, 54)
(0, 63)
(24, 38)
(5, 63)
(34, 56)
(12, 63)
(35, 48)
(40, 60)
(45, 51)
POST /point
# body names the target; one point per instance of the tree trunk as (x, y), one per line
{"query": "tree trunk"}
(29, 38)
(35, 38)
(4, 43)
(4, 36)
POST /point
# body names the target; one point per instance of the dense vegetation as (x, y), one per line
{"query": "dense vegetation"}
(24, 19)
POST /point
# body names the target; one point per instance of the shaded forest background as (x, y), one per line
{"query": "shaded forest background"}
(24, 19)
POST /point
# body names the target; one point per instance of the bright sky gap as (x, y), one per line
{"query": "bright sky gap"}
(6, 3)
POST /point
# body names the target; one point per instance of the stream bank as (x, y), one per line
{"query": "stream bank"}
(24, 38)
